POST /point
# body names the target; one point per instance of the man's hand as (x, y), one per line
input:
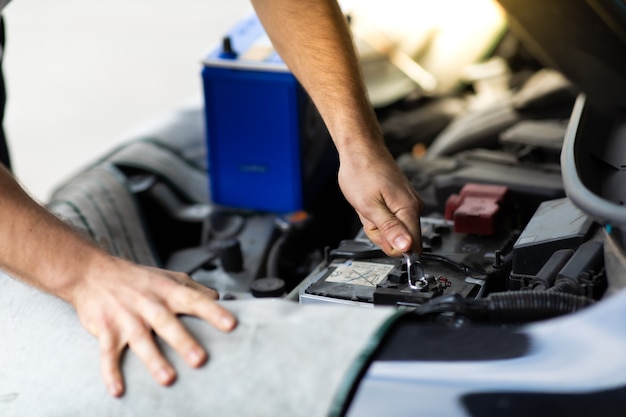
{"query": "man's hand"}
(119, 302)
(387, 204)
(128, 307)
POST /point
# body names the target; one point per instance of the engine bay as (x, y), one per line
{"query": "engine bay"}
(501, 241)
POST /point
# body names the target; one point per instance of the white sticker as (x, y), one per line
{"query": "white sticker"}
(360, 273)
(261, 50)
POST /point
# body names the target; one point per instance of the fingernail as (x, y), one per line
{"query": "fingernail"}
(228, 322)
(164, 376)
(401, 243)
(115, 389)
(194, 357)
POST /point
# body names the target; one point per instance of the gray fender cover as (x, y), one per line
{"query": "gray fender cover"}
(283, 359)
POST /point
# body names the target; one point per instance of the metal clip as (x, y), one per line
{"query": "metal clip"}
(415, 272)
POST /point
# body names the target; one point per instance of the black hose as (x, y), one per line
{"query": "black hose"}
(508, 307)
(275, 253)
(524, 306)
(564, 286)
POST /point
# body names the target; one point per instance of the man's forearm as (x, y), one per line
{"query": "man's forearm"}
(314, 40)
(37, 247)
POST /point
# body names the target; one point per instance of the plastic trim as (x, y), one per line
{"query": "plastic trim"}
(603, 211)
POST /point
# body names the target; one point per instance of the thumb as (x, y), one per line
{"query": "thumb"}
(390, 233)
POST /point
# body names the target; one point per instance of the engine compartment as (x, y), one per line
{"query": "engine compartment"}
(501, 240)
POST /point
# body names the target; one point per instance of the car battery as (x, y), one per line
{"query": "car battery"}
(267, 148)
(358, 273)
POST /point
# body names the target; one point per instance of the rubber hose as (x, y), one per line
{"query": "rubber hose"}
(273, 259)
(564, 286)
(523, 306)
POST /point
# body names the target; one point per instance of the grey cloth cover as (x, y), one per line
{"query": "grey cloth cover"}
(99, 201)
(99, 204)
(284, 359)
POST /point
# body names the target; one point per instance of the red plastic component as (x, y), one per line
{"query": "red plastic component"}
(477, 209)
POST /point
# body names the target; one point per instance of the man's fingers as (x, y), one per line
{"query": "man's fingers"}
(142, 343)
(411, 222)
(189, 300)
(110, 355)
(169, 327)
(195, 299)
(392, 233)
(136, 315)
(394, 243)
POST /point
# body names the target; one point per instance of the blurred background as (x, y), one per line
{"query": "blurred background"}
(81, 73)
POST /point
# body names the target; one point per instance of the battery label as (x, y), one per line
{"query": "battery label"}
(360, 273)
(260, 50)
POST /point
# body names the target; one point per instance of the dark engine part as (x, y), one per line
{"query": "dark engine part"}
(453, 262)
(556, 225)
(513, 141)
(547, 95)
(529, 184)
(476, 276)
(507, 307)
